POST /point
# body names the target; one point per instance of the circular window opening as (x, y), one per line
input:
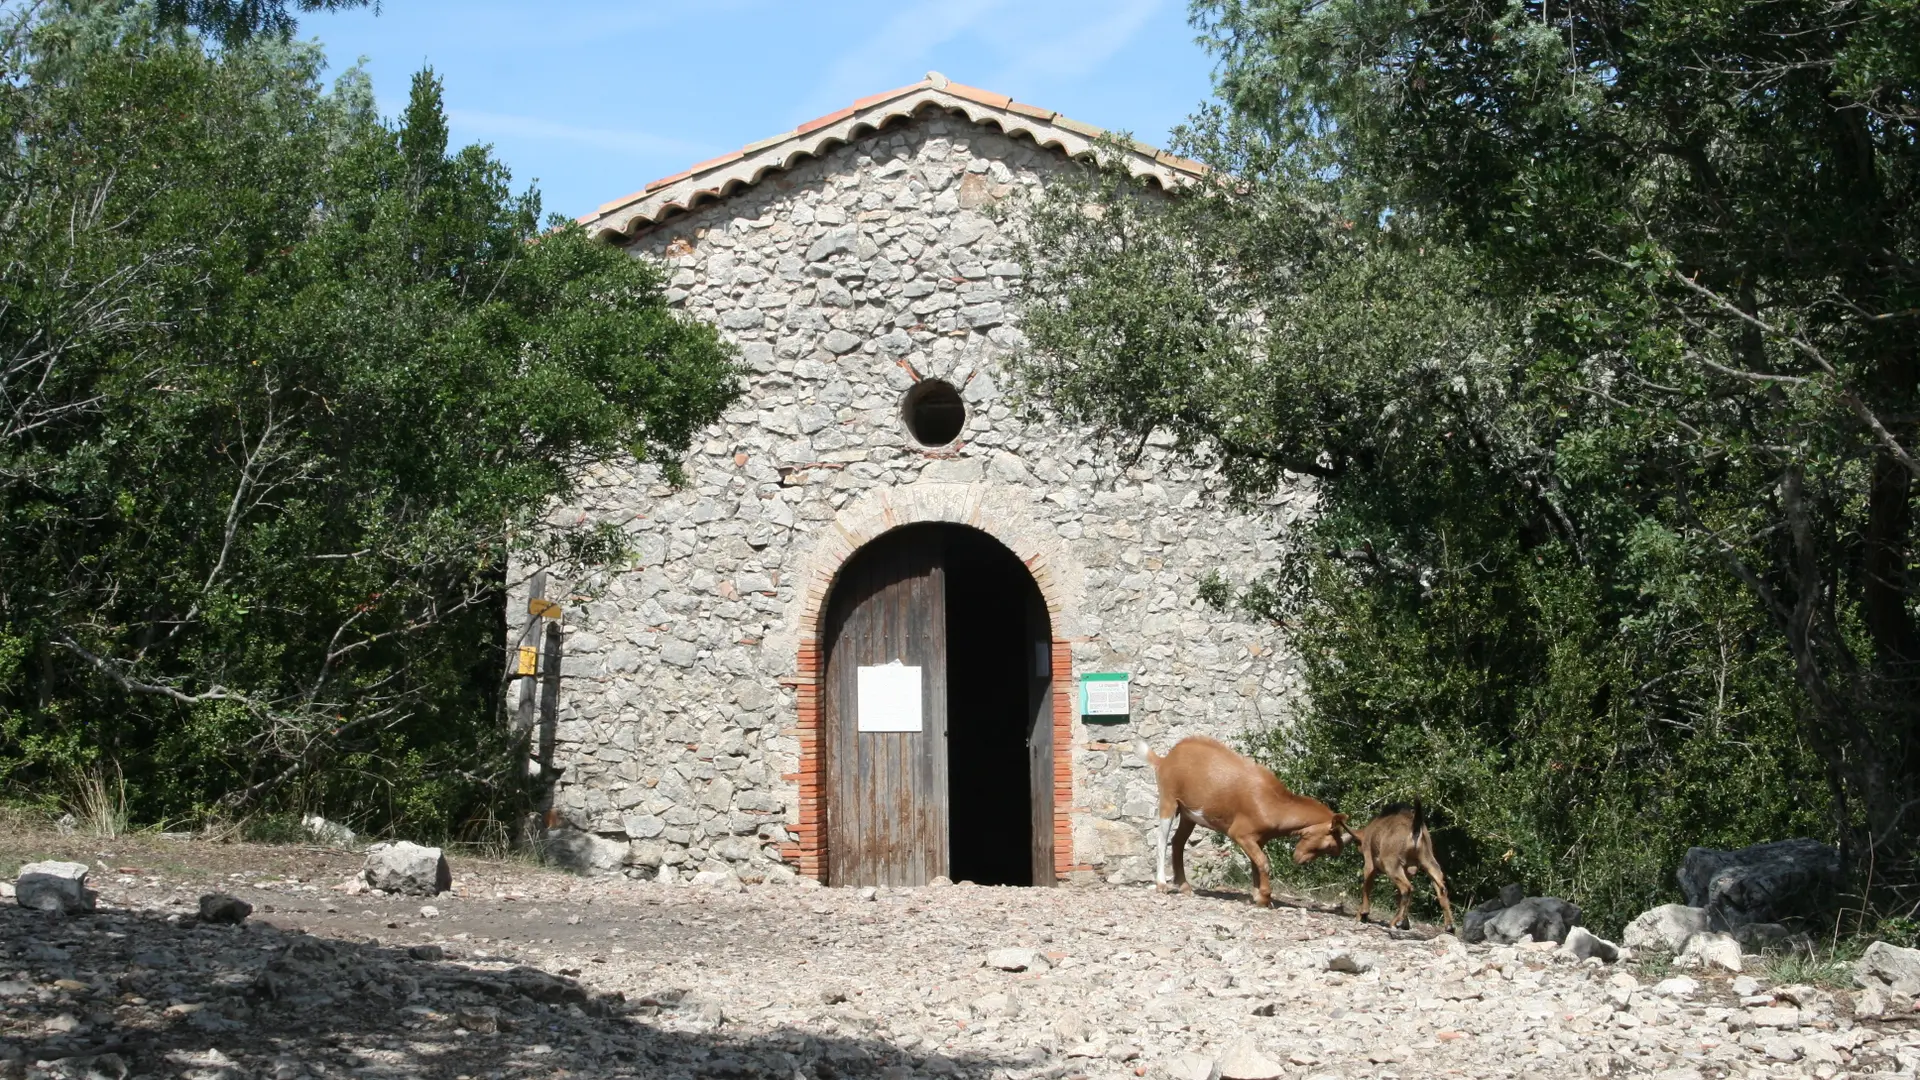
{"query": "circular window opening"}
(934, 412)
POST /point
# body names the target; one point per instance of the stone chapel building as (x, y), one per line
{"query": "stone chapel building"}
(851, 645)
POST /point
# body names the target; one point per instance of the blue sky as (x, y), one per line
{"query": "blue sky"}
(593, 99)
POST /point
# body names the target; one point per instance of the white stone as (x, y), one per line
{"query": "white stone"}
(53, 886)
(1889, 966)
(1711, 950)
(1243, 1061)
(1666, 927)
(406, 867)
(1187, 1065)
(1017, 960)
(1582, 943)
(1680, 986)
(1774, 1017)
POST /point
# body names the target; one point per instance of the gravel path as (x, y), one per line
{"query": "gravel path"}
(524, 972)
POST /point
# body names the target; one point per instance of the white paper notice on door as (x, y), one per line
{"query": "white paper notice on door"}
(889, 698)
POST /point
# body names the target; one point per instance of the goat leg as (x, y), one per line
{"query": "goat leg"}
(1180, 834)
(1262, 882)
(1439, 879)
(1162, 867)
(1400, 882)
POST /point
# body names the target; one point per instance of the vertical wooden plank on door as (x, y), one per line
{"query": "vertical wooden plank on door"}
(886, 803)
(1039, 637)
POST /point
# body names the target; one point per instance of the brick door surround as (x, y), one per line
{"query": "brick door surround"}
(979, 506)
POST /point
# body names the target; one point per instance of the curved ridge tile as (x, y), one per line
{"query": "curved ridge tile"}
(728, 174)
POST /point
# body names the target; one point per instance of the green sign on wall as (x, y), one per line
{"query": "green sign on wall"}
(1104, 697)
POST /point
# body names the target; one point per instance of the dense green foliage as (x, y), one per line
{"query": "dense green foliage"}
(1593, 327)
(282, 390)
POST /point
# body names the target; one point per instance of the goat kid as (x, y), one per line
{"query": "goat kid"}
(1394, 843)
(1202, 782)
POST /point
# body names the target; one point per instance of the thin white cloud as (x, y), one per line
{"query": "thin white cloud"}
(1082, 50)
(495, 125)
(905, 41)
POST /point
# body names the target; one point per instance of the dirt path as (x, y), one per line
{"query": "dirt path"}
(522, 971)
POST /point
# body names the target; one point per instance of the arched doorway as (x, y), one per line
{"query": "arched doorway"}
(937, 714)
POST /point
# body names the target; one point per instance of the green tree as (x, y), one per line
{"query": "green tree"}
(282, 391)
(1717, 203)
(1487, 616)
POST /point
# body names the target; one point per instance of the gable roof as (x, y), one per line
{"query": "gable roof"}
(727, 174)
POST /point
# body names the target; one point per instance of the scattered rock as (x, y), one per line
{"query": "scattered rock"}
(1666, 927)
(1679, 986)
(1772, 1016)
(1352, 963)
(331, 833)
(1582, 943)
(1889, 967)
(404, 867)
(1017, 960)
(221, 908)
(1711, 950)
(583, 852)
(1760, 937)
(1744, 985)
(1536, 918)
(429, 953)
(54, 886)
(1870, 1004)
(1187, 1065)
(1621, 988)
(1243, 1061)
(1765, 883)
(869, 894)
(723, 880)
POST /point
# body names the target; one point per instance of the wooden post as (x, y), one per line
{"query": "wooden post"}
(529, 685)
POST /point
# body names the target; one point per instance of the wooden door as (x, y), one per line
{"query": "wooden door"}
(1040, 736)
(887, 791)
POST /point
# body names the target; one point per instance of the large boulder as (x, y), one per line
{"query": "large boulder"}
(1473, 924)
(1665, 928)
(404, 867)
(1889, 967)
(1536, 918)
(1765, 883)
(54, 886)
(583, 852)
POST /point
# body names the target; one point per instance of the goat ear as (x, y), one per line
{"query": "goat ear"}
(1339, 821)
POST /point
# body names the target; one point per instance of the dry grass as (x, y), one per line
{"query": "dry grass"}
(98, 803)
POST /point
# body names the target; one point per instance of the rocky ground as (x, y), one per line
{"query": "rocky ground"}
(520, 971)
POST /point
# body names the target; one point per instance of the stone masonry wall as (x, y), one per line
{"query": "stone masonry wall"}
(841, 280)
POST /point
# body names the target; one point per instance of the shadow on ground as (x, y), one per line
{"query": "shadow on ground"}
(120, 994)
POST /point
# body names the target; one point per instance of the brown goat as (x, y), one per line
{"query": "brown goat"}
(1392, 844)
(1202, 782)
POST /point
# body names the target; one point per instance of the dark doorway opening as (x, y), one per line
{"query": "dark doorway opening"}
(996, 688)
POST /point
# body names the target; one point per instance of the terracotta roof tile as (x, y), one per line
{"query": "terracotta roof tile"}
(1043, 125)
(715, 162)
(886, 95)
(755, 147)
(665, 180)
(1079, 128)
(823, 121)
(984, 97)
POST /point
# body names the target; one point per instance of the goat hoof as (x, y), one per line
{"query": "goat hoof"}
(1185, 889)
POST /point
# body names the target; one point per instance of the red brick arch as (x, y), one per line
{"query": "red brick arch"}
(806, 851)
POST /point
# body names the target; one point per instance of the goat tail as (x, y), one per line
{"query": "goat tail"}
(1419, 820)
(1153, 759)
